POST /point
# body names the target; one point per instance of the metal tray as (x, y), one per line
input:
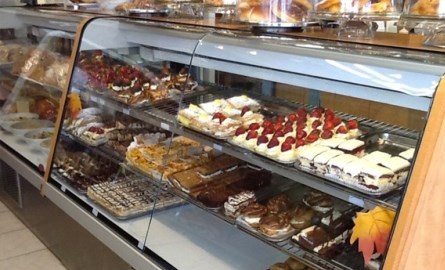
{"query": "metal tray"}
(385, 142)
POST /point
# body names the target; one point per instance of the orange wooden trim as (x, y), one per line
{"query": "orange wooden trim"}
(421, 197)
(59, 121)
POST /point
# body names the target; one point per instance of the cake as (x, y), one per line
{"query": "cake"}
(336, 165)
(215, 197)
(376, 177)
(399, 166)
(336, 222)
(321, 161)
(223, 163)
(353, 147)
(242, 101)
(332, 142)
(407, 154)
(306, 155)
(377, 157)
(217, 105)
(352, 170)
(277, 204)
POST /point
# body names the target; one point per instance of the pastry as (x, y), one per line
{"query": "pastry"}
(426, 7)
(319, 202)
(235, 203)
(252, 213)
(399, 166)
(301, 217)
(306, 155)
(336, 165)
(294, 264)
(311, 237)
(407, 154)
(223, 163)
(321, 161)
(377, 157)
(353, 147)
(277, 204)
(242, 101)
(376, 177)
(274, 225)
(336, 222)
(332, 142)
(352, 170)
(218, 105)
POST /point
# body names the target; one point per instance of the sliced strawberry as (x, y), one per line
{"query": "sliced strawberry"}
(301, 134)
(342, 130)
(278, 126)
(313, 136)
(254, 126)
(244, 110)
(299, 143)
(290, 139)
(267, 123)
(302, 112)
(273, 142)
(329, 125)
(219, 116)
(288, 129)
(352, 124)
(326, 134)
(329, 112)
(262, 139)
(278, 134)
(239, 131)
(329, 117)
(316, 114)
(292, 117)
(289, 123)
(280, 119)
(268, 130)
(316, 124)
(301, 125)
(286, 146)
(336, 121)
(252, 134)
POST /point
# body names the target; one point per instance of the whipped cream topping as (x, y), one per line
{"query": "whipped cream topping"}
(377, 157)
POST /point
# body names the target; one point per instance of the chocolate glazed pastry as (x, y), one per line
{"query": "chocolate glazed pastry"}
(253, 213)
(274, 225)
(215, 197)
(302, 217)
(319, 202)
(278, 204)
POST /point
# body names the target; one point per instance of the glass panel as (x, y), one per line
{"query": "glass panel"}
(34, 62)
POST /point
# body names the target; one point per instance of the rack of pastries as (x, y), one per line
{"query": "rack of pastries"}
(130, 84)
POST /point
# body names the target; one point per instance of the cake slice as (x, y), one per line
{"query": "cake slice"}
(321, 161)
(223, 163)
(217, 105)
(376, 177)
(399, 166)
(353, 146)
(336, 165)
(352, 170)
(332, 142)
(235, 203)
(242, 101)
(377, 157)
(408, 154)
(306, 155)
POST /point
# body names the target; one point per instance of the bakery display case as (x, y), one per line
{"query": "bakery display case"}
(34, 67)
(239, 151)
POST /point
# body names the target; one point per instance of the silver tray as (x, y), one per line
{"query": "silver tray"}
(385, 142)
(147, 11)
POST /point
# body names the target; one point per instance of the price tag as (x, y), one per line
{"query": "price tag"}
(94, 99)
(95, 212)
(356, 201)
(217, 147)
(165, 126)
(63, 188)
(141, 246)
(101, 101)
(126, 111)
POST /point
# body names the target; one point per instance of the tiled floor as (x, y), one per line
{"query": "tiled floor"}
(19, 248)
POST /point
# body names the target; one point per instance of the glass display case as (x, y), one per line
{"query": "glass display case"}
(34, 67)
(207, 148)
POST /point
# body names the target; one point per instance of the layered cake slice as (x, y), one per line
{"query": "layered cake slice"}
(376, 177)
(306, 155)
(237, 202)
(244, 101)
(377, 157)
(332, 142)
(336, 165)
(353, 146)
(352, 170)
(321, 161)
(408, 154)
(399, 166)
(217, 105)
(223, 163)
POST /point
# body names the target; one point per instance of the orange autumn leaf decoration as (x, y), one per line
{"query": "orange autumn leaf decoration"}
(372, 229)
(74, 105)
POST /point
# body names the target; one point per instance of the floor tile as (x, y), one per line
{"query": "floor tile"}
(9, 222)
(17, 243)
(42, 259)
(3, 208)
